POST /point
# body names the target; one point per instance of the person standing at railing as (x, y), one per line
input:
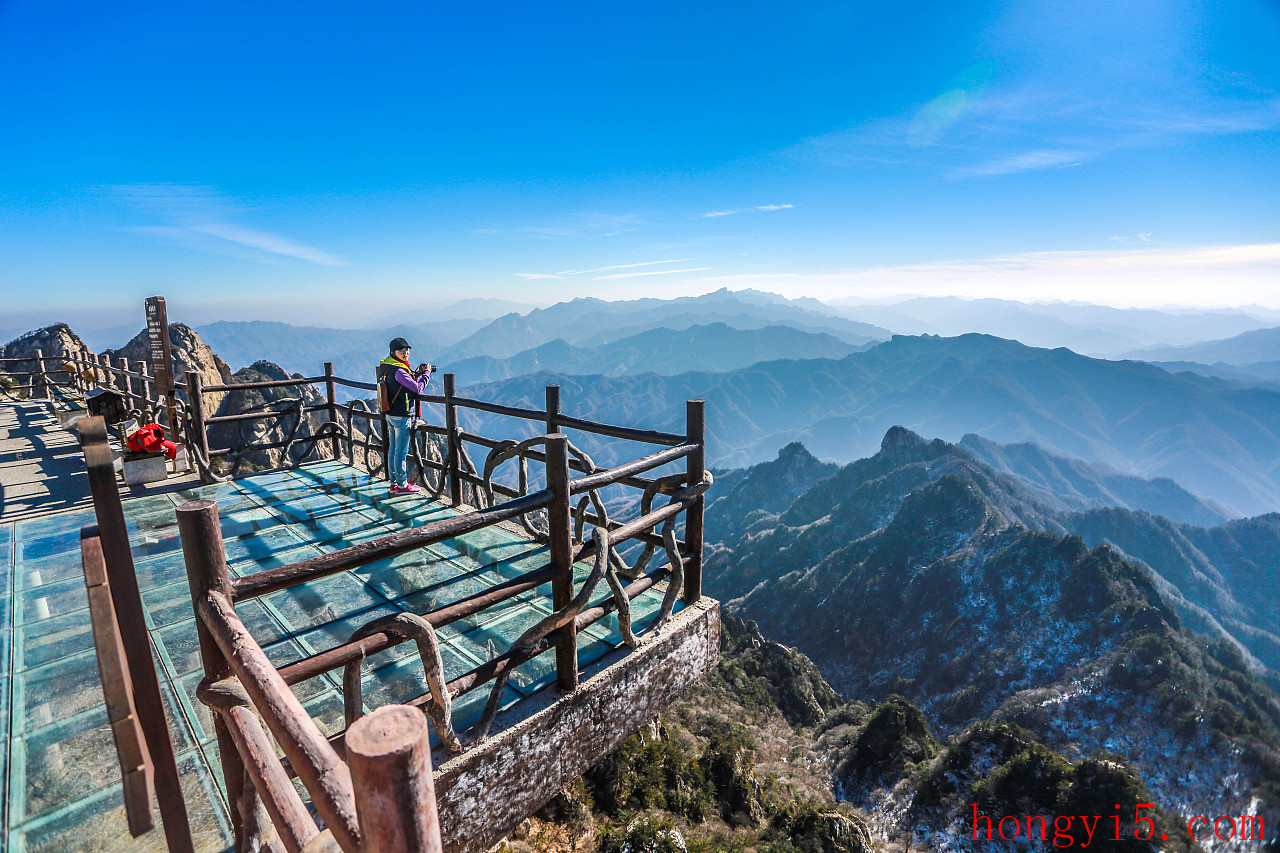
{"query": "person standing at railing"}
(399, 387)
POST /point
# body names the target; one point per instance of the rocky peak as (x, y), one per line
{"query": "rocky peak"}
(267, 431)
(189, 353)
(54, 341)
(902, 446)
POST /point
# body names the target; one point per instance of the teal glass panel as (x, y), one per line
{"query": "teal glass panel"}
(57, 637)
(456, 589)
(644, 613)
(334, 634)
(405, 679)
(304, 503)
(97, 824)
(180, 643)
(246, 521)
(60, 524)
(349, 525)
(168, 604)
(157, 571)
(65, 542)
(228, 496)
(409, 573)
(261, 546)
(52, 599)
(151, 518)
(324, 600)
(6, 545)
(47, 694)
(73, 757)
(488, 545)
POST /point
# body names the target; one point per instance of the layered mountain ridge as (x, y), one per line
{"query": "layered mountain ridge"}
(921, 571)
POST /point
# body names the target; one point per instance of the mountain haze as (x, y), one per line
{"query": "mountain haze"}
(1214, 438)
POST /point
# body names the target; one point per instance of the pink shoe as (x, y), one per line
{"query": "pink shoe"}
(410, 489)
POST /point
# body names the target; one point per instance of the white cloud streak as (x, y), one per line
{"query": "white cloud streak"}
(649, 272)
(201, 219)
(571, 273)
(760, 207)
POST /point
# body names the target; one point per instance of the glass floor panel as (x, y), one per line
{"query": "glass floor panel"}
(58, 772)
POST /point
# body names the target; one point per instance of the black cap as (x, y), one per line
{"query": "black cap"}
(399, 343)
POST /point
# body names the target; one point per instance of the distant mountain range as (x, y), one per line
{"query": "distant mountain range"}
(1072, 485)
(1214, 438)
(922, 572)
(1096, 330)
(1259, 345)
(716, 347)
(592, 322)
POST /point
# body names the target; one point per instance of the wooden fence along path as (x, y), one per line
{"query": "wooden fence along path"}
(371, 784)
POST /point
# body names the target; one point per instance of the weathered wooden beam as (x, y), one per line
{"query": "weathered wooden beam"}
(127, 601)
(288, 813)
(696, 435)
(560, 524)
(136, 769)
(454, 445)
(389, 752)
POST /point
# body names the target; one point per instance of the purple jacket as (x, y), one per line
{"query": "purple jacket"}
(410, 381)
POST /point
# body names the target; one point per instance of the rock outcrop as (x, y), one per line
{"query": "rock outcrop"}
(54, 341)
(295, 424)
(189, 353)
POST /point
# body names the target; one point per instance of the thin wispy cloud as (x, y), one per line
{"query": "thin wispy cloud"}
(200, 218)
(712, 214)
(1239, 275)
(649, 272)
(566, 274)
(624, 266)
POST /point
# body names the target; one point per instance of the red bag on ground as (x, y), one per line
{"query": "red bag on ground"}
(150, 439)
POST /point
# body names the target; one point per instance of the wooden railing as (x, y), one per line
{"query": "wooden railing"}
(345, 775)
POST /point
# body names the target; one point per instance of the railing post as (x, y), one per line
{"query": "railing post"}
(44, 383)
(389, 753)
(199, 432)
(560, 523)
(127, 599)
(207, 572)
(455, 443)
(330, 392)
(553, 409)
(108, 381)
(126, 384)
(695, 433)
(144, 386)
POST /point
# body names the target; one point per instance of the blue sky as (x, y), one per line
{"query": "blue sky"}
(321, 161)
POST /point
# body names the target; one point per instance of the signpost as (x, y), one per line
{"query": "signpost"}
(161, 356)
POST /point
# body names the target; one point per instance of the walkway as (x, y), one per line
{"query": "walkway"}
(61, 788)
(42, 470)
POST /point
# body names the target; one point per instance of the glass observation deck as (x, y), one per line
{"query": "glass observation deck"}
(62, 779)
